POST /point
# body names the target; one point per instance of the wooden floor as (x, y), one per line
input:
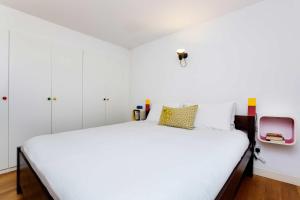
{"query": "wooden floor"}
(259, 188)
(8, 187)
(256, 188)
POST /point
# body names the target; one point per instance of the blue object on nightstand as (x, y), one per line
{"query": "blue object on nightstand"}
(139, 107)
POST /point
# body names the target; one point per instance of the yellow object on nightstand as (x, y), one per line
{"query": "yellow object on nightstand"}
(252, 102)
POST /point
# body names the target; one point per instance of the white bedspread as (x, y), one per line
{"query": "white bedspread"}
(136, 161)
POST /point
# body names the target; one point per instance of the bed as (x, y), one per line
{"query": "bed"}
(137, 161)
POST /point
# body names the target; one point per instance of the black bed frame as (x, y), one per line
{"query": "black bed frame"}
(30, 185)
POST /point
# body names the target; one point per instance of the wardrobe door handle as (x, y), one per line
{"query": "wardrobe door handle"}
(54, 98)
(4, 98)
(49, 98)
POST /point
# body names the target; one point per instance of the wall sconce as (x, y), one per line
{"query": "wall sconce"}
(182, 55)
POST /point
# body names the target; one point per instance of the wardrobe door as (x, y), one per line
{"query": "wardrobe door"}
(66, 88)
(95, 82)
(30, 87)
(117, 107)
(4, 99)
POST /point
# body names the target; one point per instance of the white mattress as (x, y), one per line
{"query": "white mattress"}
(136, 161)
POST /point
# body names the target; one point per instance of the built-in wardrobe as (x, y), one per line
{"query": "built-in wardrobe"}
(48, 87)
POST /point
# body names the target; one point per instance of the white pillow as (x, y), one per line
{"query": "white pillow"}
(155, 112)
(218, 116)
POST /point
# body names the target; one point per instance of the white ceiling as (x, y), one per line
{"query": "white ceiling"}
(128, 23)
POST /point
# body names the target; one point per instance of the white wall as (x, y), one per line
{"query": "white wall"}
(17, 21)
(253, 52)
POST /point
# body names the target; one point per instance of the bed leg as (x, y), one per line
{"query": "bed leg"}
(19, 190)
(249, 168)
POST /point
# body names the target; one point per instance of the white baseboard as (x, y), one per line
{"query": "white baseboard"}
(277, 176)
(8, 170)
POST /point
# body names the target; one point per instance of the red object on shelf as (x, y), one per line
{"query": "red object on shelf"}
(251, 110)
(4, 98)
(147, 109)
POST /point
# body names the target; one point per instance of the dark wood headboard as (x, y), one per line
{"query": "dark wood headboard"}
(247, 124)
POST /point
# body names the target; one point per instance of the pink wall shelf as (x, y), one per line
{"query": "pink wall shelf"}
(280, 125)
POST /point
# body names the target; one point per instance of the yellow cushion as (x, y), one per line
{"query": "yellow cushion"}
(178, 117)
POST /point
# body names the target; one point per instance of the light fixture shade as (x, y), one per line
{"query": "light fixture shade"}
(182, 56)
(180, 51)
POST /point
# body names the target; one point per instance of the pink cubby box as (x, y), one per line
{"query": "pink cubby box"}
(284, 126)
